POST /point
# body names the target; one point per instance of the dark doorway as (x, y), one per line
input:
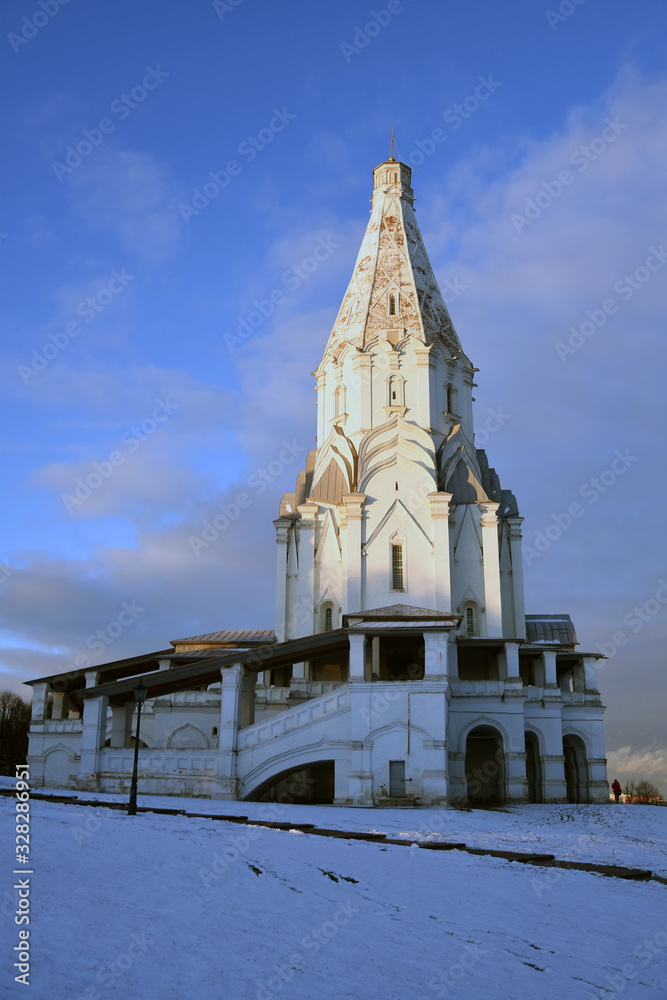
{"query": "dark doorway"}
(533, 768)
(397, 778)
(576, 769)
(484, 766)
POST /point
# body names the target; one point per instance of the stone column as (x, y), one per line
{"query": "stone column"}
(282, 526)
(354, 504)
(298, 687)
(590, 675)
(40, 697)
(119, 726)
(548, 670)
(375, 657)
(515, 538)
(357, 659)
(443, 578)
(58, 705)
(424, 365)
(436, 649)
(306, 587)
(490, 554)
(93, 737)
(230, 712)
(360, 778)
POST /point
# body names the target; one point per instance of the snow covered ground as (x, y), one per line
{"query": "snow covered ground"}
(159, 906)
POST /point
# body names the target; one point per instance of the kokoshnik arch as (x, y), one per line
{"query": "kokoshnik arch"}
(402, 668)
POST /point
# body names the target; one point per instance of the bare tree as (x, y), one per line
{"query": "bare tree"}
(14, 725)
(641, 792)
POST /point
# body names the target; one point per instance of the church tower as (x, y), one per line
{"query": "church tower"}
(396, 505)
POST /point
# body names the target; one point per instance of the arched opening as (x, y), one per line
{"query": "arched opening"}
(533, 767)
(392, 305)
(471, 619)
(339, 401)
(484, 766)
(397, 574)
(310, 785)
(327, 617)
(576, 769)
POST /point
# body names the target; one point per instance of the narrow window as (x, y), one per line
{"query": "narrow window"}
(392, 305)
(450, 400)
(470, 621)
(328, 620)
(214, 731)
(397, 567)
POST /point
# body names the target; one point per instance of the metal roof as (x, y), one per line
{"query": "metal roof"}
(232, 635)
(550, 630)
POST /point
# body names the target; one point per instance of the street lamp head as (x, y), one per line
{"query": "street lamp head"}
(140, 692)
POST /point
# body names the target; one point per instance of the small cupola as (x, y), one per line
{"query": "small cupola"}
(393, 178)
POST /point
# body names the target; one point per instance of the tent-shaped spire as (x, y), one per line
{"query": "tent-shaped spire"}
(393, 286)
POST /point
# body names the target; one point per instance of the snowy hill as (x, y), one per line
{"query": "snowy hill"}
(158, 906)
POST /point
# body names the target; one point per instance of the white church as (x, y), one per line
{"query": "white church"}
(402, 668)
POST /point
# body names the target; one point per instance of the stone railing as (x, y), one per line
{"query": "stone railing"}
(63, 725)
(295, 718)
(468, 689)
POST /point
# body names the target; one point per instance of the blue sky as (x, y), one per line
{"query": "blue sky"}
(543, 207)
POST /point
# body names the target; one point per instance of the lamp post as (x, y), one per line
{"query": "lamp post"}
(140, 693)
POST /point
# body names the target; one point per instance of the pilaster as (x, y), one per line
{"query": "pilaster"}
(515, 539)
(440, 507)
(491, 558)
(306, 592)
(354, 504)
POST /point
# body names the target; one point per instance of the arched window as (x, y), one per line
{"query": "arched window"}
(397, 578)
(327, 622)
(339, 400)
(471, 619)
(449, 397)
(392, 304)
(396, 391)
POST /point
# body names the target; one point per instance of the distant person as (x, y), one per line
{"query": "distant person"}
(616, 789)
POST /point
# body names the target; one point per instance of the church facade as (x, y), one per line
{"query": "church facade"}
(402, 668)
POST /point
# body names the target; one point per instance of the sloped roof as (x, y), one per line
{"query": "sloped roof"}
(550, 630)
(232, 635)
